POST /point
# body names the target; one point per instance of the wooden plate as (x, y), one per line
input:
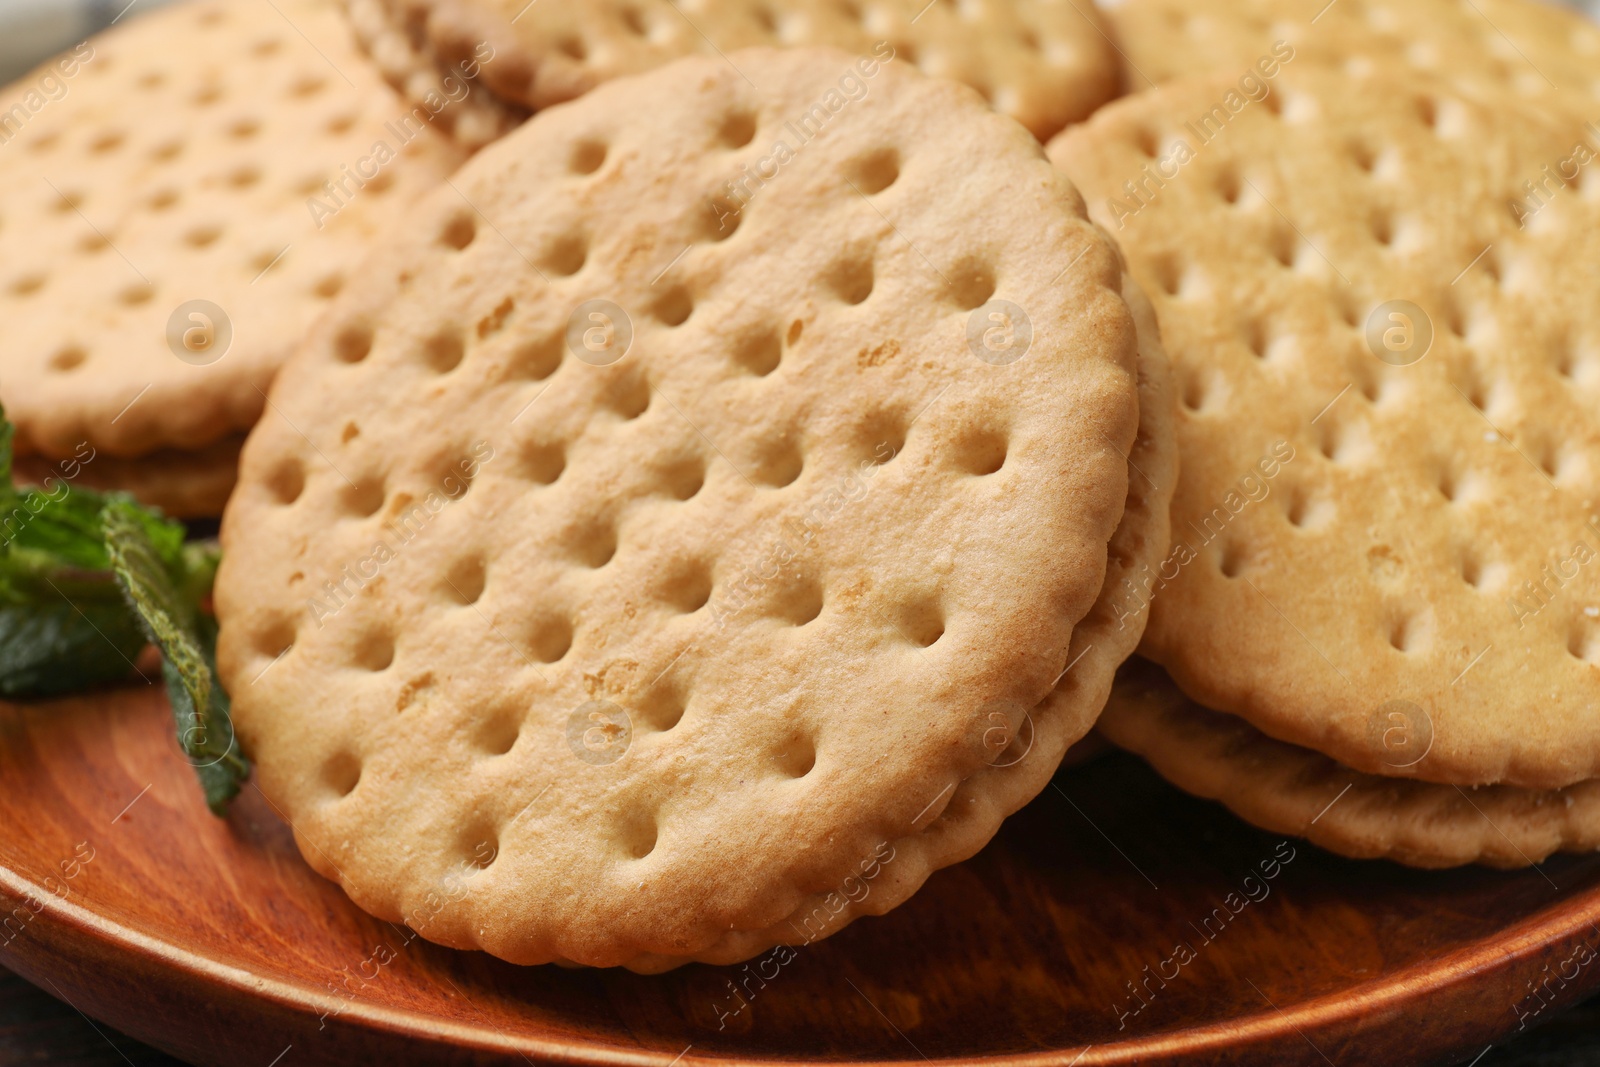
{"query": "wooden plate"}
(1063, 942)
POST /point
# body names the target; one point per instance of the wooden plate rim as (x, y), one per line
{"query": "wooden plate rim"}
(1556, 924)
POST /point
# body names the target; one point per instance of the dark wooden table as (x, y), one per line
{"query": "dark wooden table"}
(38, 1029)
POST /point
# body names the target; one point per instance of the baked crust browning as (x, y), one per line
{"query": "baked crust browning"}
(614, 533)
(1385, 340)
(247, 176)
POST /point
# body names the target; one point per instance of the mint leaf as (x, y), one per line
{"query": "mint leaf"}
(63, 623)
(51, 649)
(157, 577)
(81, 570)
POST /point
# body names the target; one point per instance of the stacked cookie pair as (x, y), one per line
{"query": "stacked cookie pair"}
(800, 578)
(640, 573)
(179, 198)
(1369, 233)
(732, 491)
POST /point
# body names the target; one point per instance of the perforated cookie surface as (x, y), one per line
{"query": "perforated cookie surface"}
(1544, 54)
(1293, 790)
(1353, 531)
(177, 158)
(1046, 63)
(701, 627)
(1025, 749)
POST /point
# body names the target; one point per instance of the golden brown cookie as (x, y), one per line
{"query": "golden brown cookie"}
(612, 529)
(1388, 352)
(179, 198)
(1292, 790)
(1044, 64)
(1544, 54)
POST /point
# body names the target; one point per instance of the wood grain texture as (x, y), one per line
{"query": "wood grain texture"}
(212, 940)
(37, 1028)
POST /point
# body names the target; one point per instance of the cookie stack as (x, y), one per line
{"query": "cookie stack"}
(733, 490)
(1378, 289)
(182, 196)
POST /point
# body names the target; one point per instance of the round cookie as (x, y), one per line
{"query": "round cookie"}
(1292, 790)
(1388, 354)
(1545, 54)
(823, 483)
(1044, 64)
(181, 158)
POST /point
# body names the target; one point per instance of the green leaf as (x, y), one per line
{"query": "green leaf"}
(51, 649)
(154, 572)
(87, 579)
(200, 560)
(82, 570)
(63, 623)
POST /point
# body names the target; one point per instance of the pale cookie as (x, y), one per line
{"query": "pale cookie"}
(823, 479)
(1292, 790)
(1057, 733)
(1543, 53)
(1352, 531)
(181, 158)
(1046, 63)
(185, 485)
(473, 115)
